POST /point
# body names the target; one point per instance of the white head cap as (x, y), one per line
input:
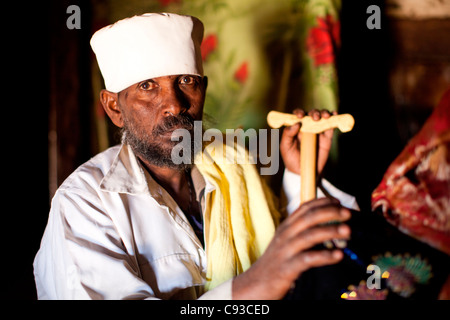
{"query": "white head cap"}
(148, 46)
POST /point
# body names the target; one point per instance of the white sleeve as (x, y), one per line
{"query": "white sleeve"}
(221, 292)
(82, 257)
(292, 187)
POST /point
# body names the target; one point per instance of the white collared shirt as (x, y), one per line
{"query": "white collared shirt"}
(114, 233)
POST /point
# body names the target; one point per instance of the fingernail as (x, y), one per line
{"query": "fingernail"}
(343, 229)
(340, 243)
(337, 254)
(345, 214)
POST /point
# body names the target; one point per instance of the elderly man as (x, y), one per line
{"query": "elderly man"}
(132, 224)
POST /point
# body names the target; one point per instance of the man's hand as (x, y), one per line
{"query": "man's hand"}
(287, 255)
(291, 140)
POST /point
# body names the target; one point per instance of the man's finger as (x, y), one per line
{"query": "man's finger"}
(299, 113)
(316, 204)
(323, 233)
(312, 259)
(312, 237)
(291, 132)
(306, 234)
(320, 212)
(315, 114)
(325, 114)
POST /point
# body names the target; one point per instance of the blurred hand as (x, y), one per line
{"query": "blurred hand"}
(291, 142)
(287, 255)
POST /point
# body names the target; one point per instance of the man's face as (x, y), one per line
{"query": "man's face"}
(152, 109)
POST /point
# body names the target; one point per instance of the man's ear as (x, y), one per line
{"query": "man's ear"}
(110, 103)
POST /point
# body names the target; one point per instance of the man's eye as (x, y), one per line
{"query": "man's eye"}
(187, 80)
(147, 85)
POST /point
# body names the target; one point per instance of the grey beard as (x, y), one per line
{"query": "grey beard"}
(147, 147)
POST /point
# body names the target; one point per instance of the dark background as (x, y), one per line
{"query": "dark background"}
(46, 65)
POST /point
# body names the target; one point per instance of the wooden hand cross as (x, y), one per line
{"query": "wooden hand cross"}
(309, 129)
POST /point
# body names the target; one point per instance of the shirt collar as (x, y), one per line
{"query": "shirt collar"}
(198, 181)
(127, 175)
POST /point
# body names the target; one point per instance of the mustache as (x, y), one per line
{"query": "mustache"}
(180, 121)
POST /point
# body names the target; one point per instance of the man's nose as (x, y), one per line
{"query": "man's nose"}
(174, 103)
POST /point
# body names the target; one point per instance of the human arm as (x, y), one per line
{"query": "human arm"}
(288, 254)
(82, 255)
(90, 251)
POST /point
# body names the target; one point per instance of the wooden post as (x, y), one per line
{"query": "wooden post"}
(308, 166)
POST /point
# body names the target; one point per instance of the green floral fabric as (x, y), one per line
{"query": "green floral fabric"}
(259, 55)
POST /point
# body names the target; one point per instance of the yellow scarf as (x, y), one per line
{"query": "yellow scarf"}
(240, 217)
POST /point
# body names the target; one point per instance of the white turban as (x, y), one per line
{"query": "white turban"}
(148, 46)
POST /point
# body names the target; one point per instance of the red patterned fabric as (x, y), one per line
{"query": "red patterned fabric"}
(414, 194)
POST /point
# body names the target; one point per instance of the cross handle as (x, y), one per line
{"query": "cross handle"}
(344, 122)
